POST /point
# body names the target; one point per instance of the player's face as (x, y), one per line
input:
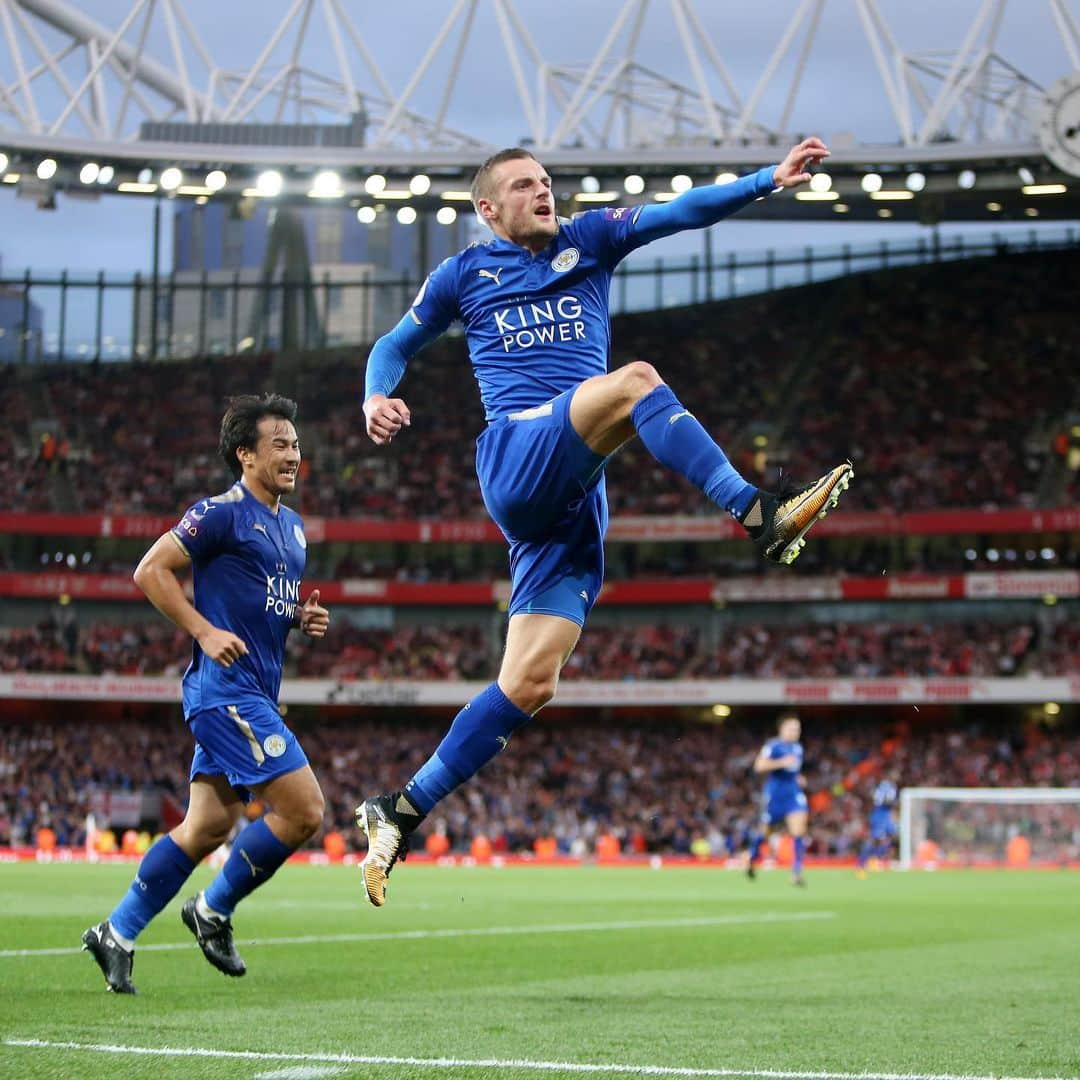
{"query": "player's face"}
(276, 459)
(521, 208)
(790, 730)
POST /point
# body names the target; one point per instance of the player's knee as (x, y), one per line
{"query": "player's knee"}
(639, 378)
(309, 817)
(530, 690)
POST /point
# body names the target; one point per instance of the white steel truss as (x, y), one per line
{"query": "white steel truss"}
(68, 80)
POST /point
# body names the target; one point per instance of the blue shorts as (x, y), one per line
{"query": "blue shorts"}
(247, 743)
(545, 489)
(882, 825)
(779, 806)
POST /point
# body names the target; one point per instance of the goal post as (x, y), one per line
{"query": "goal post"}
(960, 826)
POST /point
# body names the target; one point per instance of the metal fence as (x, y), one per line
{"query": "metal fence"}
(110, 317)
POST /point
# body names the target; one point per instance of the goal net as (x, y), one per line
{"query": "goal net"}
(989, 827)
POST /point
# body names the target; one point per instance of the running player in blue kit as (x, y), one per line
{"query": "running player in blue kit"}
(783, 799)
(879, 844)
(248, 552)
(534, 304)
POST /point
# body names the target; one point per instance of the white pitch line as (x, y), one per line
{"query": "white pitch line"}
(498, 1063)
(477, 931)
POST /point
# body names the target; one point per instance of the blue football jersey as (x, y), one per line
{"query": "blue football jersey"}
(536, 325)
(884, 795)
(247, 565)
(783, 781)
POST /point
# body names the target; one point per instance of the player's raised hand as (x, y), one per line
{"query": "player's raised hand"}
(385, 417)
(222, 646)
(314, 618)
(795, 168)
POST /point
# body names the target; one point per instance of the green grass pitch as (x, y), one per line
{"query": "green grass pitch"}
(534, 972)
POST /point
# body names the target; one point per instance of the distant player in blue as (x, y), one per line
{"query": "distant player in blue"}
(878, 845)
(248, 552)
(783, 798)
(534, 304)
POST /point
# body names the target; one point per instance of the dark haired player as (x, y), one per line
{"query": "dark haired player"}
(248, 552)
(534, 304)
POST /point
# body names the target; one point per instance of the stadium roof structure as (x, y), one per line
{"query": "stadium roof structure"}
(145, 107)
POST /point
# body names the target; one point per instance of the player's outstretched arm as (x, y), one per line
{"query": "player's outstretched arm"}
(703, 206)
(156, 576)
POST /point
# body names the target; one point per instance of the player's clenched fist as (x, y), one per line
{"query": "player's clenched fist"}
(385, 417)
(222, 646)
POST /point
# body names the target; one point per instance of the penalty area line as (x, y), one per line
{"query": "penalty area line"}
(475, 931)
(494, 1063)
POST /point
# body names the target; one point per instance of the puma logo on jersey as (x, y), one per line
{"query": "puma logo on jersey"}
(502, 740)
(679, 416)
(493, 274)
(261, 528)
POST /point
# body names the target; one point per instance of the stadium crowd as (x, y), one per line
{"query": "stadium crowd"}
(666, 786)
(891, 369)
(664, 650)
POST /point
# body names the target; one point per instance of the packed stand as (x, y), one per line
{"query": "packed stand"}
(860, 650)
(934, 380)
(657, 786)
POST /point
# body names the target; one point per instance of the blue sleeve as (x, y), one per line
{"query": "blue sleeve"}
(431, 313)
(700, 207)
(203, 529)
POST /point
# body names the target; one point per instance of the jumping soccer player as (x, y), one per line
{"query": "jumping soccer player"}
(783, 798)
(534, 303)
(878, 845)
(248, 552)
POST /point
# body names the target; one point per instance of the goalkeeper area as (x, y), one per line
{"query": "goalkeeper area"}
(971, 826)
(553, 972)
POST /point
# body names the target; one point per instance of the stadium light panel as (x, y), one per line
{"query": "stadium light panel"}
(194, 189)
(446, 215)
(146, 176)
(721, 712)
(406, 215)
(994, 207)
(269, 184)
(216, 180)
(171, 178)
(420, 184)
(375, 183)
(916, 181)
(841, 208)
(11, 178)
(666, 196)
(3, 163)
(966, 179)
(596, 196)
(46, 169)
(326, 185)
(892, 196)
(884, 212)
(1026, 175)
(817, 196)
(634, 184)
(590, 185)
(1030, 211)
(871, 182)
(457, 196)
(680, 182)
(1044, 189)
(395, 193)
(726, 178)
(366, 215)
(1051, 708)
(106, 174)
(89, 173)
(136, 188)
(820, 182)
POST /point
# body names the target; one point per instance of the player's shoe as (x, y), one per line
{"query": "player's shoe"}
(387, 820)
(751, 872)
(778, 522)
(114, 960)
(215, 938)
(799, 882)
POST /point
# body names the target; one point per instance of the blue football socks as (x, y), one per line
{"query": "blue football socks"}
(163, 870)
(477, 734)
(800, 848)
(675, 438)
(256, 854)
